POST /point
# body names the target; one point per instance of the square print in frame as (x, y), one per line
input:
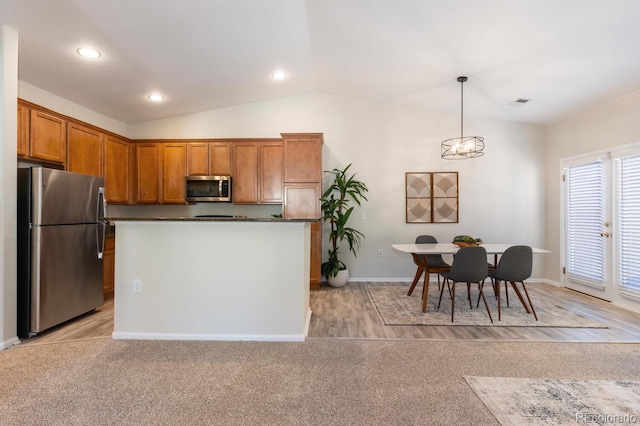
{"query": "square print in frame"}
(432, 197)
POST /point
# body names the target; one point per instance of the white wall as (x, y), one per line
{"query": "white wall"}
(55, 103)
(613, 124)
(502, 195)
(8, 197)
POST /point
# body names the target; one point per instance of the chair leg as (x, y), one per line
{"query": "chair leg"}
(529, 299)
(497, 284)
(442, 291)
(425, 291)
(453, 299)
(485, 302)
(515, 288)
(506, 291)
(419, 272)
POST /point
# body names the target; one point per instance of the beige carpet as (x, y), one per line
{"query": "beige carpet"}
(396, 308)
(516, 401)
(318, 382)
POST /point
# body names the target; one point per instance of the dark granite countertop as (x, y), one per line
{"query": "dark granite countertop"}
(206, 219)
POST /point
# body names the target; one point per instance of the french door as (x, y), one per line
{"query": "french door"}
(602, 225)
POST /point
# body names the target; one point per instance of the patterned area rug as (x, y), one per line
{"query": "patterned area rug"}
(396, 308)
(516, 401)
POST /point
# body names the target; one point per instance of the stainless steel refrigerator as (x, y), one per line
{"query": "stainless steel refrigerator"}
(61, 231)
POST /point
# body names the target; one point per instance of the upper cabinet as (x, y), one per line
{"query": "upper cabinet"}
(147, 173)
(302, 157)
(198, 159)
(48, 137)
(257, 177)
(160, 169)
(117, 170)
(270, 172)
(174, 169)
(245, 177)
(23, 130)
(220, 158)
(84, 150)
(209, 158)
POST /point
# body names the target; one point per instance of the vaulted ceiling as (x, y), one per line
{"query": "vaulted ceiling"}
(564, 56)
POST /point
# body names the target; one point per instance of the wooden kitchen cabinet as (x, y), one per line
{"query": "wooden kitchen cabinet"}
(270, 172)
(23, 130)
(117, 170)
(48, 137)
(174, 170)
(84, 150)
(245, 176)
(147, 173)
(302, 157)
(257, 177)
(220, 159)
(109, 266)
(198, 159)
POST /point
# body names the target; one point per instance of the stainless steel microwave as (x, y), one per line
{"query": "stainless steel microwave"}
(207, 189)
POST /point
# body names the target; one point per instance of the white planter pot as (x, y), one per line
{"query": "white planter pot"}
(339, 280)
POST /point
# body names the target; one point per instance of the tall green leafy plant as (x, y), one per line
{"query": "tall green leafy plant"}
(336, 210)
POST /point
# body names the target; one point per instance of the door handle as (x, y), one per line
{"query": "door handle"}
(604, 234)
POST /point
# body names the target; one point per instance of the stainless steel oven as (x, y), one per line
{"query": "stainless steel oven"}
(207, 189)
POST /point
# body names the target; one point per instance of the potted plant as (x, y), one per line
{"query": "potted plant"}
(336, 210)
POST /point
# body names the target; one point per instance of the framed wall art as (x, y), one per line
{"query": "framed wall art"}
(431, 197)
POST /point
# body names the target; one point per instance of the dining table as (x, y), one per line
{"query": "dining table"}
(419, 252)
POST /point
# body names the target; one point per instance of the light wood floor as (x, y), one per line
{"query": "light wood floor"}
(349, 313)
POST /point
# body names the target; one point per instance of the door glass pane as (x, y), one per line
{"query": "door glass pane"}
(628, 180)
(586, 214)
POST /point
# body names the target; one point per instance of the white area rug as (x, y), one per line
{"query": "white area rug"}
(515, 401)
(396, 308)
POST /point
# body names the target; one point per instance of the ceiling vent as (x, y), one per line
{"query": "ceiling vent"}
(519, 102)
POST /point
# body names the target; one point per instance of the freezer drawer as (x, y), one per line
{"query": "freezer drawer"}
(66, 274)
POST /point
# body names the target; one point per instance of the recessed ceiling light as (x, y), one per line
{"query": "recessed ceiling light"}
(88, 52)
(155, 97)
(279, 75)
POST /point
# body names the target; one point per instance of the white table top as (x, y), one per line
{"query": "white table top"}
(450, 248)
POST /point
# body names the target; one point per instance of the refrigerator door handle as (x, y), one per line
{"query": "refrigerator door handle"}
(101, 208)
(101, 229)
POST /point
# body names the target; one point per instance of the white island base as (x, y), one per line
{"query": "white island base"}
(211, 280)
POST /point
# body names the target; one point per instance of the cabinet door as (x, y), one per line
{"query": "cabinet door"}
(23, 130)
(109, 266)
(84, 150)
(198, 159)
(270, 172)
(302, 158)
(245, 176)
(147, 167)
(48, 137)
(220, 158)
(301, 201)
(174, 170)
(117, 170)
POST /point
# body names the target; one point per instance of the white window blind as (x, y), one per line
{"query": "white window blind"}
(586, 213)
(628, 180)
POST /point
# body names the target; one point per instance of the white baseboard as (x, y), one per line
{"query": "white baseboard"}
(8, 343)
(119, 335)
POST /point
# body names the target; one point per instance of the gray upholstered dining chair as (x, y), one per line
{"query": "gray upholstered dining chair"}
(469, 266)
(436, 263)
(514, 266)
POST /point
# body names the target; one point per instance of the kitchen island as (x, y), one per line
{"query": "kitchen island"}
(211, 278)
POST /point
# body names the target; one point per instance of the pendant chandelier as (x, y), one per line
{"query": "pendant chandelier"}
(465, 146)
